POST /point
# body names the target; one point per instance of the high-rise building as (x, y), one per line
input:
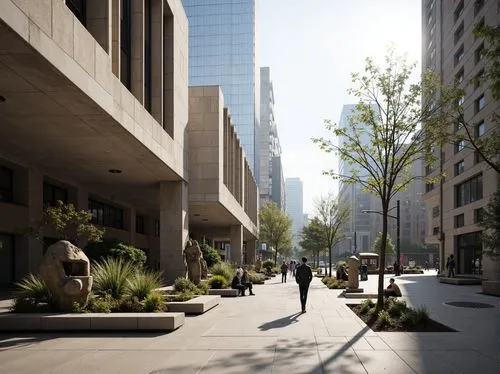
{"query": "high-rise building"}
(222, 52)
(271, 180)
(455, 203)
(295, 206)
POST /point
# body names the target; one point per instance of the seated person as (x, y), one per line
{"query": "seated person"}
(236, 284)
(246, 282)
(392, 289)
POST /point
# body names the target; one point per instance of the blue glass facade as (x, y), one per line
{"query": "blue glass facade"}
(222, 52)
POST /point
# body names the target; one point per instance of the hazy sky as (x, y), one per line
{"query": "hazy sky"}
(312, 46)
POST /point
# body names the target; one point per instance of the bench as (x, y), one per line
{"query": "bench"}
(197, 305)
(460, 281)
(224, 292)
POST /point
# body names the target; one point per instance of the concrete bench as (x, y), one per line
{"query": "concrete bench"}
(359, 295)
(197, 305)
(224, 292)
(460, 281)
(91, 321)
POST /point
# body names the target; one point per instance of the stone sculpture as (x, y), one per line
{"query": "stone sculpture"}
(353, 276)
(66, 271)
(204, 268)
(193, 255)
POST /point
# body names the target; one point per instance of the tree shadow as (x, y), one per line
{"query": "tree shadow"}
(280, 323)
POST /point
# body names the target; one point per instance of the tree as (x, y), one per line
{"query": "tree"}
(377, 245)
(275, 228)
(490, 222)
(383, 138)
(332, 217)
(313, 238)
(68, 223)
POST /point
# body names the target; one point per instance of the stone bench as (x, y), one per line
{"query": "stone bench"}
(197, 305)
(224, 292)
(359, 295)
(460, 281)
(91, 321)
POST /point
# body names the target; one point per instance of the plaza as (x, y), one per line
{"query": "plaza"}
(266, 334)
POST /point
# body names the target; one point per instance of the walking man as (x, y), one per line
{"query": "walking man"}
(284, 271)
(303, 276)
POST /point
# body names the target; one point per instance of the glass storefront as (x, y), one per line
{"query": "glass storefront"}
(469, 249)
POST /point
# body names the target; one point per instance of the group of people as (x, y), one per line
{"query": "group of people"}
(450, 266)
(288, 267)
(241, 282)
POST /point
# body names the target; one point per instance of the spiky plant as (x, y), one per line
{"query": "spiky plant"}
(143, 283)
(110, 277)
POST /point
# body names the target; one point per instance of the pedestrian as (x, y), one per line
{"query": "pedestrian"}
(284, 270)
(292, 268)
(245, 280)
(451, 266)
(237, 285)
(392, 289)
(303, 277)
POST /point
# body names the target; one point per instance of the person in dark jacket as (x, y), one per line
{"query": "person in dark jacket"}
(246, 282)
(284, 271)
(303, 277)
(237, 285)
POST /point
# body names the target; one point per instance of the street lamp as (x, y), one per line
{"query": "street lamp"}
(398, 233)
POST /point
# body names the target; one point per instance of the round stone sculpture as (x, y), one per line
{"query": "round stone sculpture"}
(193, 255)
(353, 276)
(66, 270)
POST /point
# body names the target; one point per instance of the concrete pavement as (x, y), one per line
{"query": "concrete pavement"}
(266, 334)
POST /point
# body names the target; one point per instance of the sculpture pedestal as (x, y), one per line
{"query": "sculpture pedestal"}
(354, 290)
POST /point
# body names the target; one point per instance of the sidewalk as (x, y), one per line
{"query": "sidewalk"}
(266, 334)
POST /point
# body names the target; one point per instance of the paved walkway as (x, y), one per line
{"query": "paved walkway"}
(265, 334)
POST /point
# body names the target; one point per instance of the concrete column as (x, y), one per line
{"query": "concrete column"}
(173, 228)
(226, 145)
(137, 46)
(243, 179)
(236, 238)
(251, 251)
(35, 209)
(168, 71)
(98, 21)
(157, 60)
(115, 37)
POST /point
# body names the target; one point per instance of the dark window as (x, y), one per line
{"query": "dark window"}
(478, 79)
(459, 55)
(477, 157)
(469, 191)
(480, 103)
(6, 185)
(435, 230)
(458, 126)
(157, 228)
(459, 167)
(428, 169)
(459, 32)
(106, 215)
(459, 10)
(459, 220)
(79, 9)
(460, 76)
(140, 228)
(125, 44)
(478, 215)
(478, 5)
(479, 53)
(459, 145)
(147, 55)
(480, 129)
(53, 193)
(429, 187)
(435, 211)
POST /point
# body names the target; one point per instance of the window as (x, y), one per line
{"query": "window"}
(79, 9)
(460, 76)
(147, 55)
(480, 129)
(480, 103)
(459, 32)
(435, 230)
(478, 215)
(125, 44)
(459, 145)
(477, 158)
(479, 25)
(6, 185)
(459, 220)
(106, 215)
(435, 211)
(478, 5)
(458, 126)
(429, 187)
(459, 54)
(432, 30)
(478, 79)
(428, 169)
(157, 228)
(139, 225)
(461, 100)
(51, 194)
(469, 191)
(478, 54)
(459, 167)
(459, 10)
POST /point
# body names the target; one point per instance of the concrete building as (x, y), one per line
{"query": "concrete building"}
(222, 51)
(223, 195)
(271, 180)
(456, 202)
(94, 112)
(295, 206)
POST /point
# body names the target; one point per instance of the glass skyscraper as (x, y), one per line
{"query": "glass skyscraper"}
(222, 52)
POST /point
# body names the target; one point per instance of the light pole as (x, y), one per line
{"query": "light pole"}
(398, 233)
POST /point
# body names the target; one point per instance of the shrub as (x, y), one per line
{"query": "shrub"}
(276, 270)
(384, 318)
(366, 305)
(421, 315)
(32, 289)
(113, 248)
(223, 269)
(110, 277)
(408, 318)
(183, 284)
(395, 308)
(153, 302)
(202, 288)
(217, 282)
(131, 305)
(184, 296)
(255, 278)
(104, 304)
(210, 255)
(143, 283)
(268, 264)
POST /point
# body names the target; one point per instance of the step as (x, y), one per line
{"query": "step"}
(224, 292)
(460, 281)
(90, 321)
(196, 305)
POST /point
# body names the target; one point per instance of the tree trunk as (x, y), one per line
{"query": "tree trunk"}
(276, 256)
(383, 244)
(330, 261)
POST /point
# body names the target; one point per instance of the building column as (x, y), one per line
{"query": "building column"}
(137, 50)
(173, 229)
(35, 209)
(98, 21)
(236, 238)
(157, 61)
(251, 251)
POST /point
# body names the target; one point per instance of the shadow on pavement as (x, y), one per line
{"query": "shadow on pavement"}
(280, 323)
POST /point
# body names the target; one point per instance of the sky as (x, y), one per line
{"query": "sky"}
(312, 47)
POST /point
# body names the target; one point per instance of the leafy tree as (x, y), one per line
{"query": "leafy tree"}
(98, 251)
(332, 217)
(383, 139)
(210, 255)
(490, 222)
(377, 244)
(275, 229)
(313, 238)
(69, 224)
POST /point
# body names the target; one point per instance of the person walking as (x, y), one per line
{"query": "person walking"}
(451, 266)
(303, 277)
(284, 271)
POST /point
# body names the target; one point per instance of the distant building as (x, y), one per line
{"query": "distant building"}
(295, 206)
